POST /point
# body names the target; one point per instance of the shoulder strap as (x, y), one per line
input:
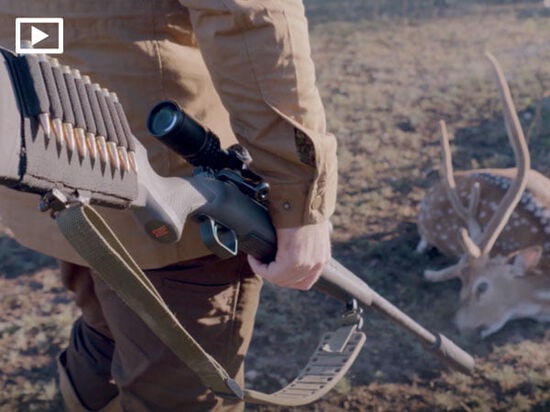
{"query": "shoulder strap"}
(92, 238)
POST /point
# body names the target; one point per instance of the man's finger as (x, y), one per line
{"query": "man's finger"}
(257, 266)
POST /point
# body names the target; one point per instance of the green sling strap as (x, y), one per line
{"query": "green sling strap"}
(92, 238)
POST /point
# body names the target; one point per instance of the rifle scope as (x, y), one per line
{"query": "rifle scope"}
(196, 144)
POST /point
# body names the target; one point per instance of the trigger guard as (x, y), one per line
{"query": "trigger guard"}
(219, 239)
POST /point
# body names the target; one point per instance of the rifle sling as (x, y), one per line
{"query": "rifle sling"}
(92, 238)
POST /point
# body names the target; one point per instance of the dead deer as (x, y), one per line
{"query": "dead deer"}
(504, 254)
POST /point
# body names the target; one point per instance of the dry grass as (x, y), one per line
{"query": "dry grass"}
(385, 83)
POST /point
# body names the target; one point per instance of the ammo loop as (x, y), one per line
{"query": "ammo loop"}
(48, 88)
(86, 157)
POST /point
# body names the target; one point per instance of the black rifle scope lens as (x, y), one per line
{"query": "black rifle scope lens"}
(168, 123)
(163, 119)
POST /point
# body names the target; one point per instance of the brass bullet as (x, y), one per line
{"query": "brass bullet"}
(57, 126)
(81, 143)
(92, 146)
(102, 149)
(113, 155)
(44, 119)
(124, 160)
(133, 161)
(69, 137)
(81, 140)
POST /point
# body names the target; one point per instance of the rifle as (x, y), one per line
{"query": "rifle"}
(102, 163)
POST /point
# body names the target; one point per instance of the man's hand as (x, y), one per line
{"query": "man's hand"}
(302, 253)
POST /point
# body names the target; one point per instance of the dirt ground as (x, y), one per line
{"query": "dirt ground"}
(385, 81)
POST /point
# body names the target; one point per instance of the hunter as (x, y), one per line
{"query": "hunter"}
(244, 69)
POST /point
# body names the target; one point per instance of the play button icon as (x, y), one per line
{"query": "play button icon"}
(37, 35)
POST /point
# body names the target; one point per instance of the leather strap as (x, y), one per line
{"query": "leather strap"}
(92, 238)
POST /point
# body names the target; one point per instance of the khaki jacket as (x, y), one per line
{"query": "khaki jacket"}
(257, 55)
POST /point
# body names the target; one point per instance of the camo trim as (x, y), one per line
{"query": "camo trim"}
(304, 145)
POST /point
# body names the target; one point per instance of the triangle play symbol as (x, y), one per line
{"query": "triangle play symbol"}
(37, 35)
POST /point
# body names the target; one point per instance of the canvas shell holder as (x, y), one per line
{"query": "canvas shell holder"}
(34, 90)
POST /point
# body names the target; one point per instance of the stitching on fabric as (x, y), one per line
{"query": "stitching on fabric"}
(234, 307)
(160, 65)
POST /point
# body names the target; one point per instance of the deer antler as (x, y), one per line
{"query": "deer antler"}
(474, 241)
(467, 214)
(521, 153)
(487, 238)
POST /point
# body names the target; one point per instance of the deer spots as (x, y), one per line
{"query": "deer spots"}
(527, 199)
(534, 229)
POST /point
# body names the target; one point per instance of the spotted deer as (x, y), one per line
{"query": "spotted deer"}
(497, 222)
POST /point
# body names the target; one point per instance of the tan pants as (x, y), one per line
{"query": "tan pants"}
(215, 300)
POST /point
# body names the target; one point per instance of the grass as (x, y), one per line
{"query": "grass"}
(385, 82)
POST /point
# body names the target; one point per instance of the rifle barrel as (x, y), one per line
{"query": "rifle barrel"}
(340, 283)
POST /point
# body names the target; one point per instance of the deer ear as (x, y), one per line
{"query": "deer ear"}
(527, 259)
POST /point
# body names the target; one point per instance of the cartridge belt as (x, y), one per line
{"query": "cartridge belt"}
(75, 134)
